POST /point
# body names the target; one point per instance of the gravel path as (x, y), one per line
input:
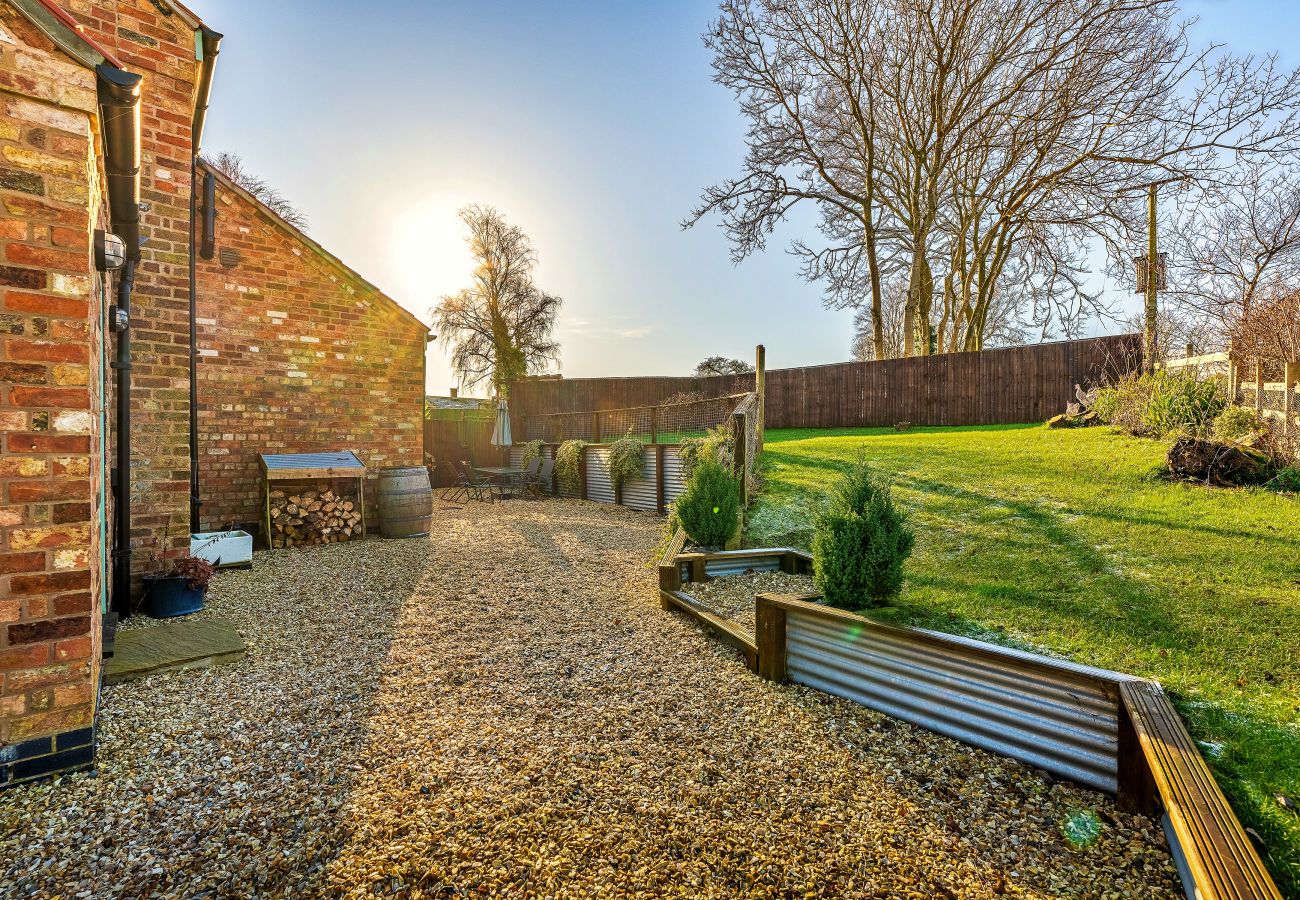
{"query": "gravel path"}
(503, 710)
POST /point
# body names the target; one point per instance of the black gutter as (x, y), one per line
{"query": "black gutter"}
(119, 104)
(211, 43)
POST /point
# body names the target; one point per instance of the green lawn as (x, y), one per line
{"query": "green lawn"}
(1071, 542)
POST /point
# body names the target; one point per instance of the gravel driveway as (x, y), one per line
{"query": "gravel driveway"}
(504, 710)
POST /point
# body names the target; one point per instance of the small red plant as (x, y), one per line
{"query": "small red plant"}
(196, 572)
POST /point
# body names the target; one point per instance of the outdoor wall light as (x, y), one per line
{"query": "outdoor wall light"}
(110, 251)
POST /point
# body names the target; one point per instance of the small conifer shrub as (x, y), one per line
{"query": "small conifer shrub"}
(709, 510)
(860, 543)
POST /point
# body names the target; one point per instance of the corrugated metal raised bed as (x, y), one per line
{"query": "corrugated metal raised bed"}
(1109, 731)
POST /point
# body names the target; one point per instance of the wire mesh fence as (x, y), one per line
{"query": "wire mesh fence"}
(664, 424)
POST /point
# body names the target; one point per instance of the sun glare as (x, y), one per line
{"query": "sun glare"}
(430, 255)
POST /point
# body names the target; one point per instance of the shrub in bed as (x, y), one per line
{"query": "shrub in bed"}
(1162, 403)
(709, 510)
(1181, 403)
(568, 465)
(532, 451)
(1237, 423)
(1287, 481)
(860, 542)
(626, 456)
(718, 444)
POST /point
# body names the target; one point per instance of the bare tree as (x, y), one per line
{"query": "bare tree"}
(1270, 331)
(501, 326)
(978, 146)
(893, 323)
(232, 166)
(721, 365)
(1237, 242)
(801, 71)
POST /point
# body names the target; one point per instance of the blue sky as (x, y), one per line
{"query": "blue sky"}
(592, 125)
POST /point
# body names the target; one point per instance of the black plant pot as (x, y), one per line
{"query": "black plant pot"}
(168, 596)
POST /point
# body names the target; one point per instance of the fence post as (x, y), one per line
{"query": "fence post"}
(760, 388)
(1290, 377)
(1259, 385)
(659, 478)
(582, 475)
(670, 581)
(595, 427)
(1136, 788)
(654, 424)
(738, 456)
(769, 635)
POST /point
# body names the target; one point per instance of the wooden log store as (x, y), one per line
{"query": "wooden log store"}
(312, 498)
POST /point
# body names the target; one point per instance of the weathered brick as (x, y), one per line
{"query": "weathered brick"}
(21, 562)
(46, 351)
(23, 373)
(45, 491)
(69, 513)
(74, 649)
(48, 630)
(45, 305)
(73, 604)
(36, 161)
(49, 538)
(65, 398)
(24, 657)
(44, 257)
(65, 375)
(15, 276)
(23, 467)
(27, 182)
(49, 583)
(50, 722)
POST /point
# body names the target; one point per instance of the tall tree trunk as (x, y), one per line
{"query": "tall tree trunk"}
(920, 299)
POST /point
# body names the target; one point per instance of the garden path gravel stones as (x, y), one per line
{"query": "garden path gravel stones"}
(504, 710)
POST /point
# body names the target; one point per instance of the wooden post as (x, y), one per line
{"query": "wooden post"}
(1150, 343)
(760, 388)
(769, 635)
(696, 569)
(595, 428)
(738, 456)
(654, 424)
(1289, 379)
(1136, 788)
(789, 564)
(582, 475)
(670, 580)
(1259, 386)
(660, 503)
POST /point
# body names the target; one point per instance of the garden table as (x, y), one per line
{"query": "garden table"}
(504, 476)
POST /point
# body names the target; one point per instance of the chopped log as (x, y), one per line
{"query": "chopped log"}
(1215, 463)
(312, 516)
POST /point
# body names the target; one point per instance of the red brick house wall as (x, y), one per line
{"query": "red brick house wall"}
(51, 406)
(152, 39)
(298, 354)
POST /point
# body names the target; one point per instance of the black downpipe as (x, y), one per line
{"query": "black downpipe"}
(211, 47)
(119, 102)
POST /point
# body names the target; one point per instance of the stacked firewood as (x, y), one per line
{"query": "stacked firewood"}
(318, 516)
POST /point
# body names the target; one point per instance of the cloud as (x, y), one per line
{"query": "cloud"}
(584, 328)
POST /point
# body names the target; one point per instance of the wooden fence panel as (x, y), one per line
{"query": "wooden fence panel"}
(992, 387)
(455, 439)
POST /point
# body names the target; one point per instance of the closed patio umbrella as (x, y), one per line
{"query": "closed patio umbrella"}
(501, 432)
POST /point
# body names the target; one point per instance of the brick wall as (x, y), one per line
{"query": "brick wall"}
(297, 354)
(51, 405)
(157, 43)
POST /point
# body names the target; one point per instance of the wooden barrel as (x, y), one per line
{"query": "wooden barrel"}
(405, 502)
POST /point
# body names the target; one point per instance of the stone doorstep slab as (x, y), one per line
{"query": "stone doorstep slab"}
(172, 646)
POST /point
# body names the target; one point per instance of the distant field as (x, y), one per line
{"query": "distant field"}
(1070, 542)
